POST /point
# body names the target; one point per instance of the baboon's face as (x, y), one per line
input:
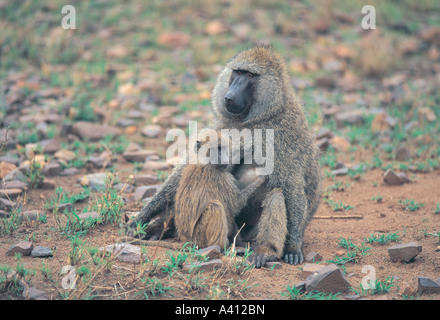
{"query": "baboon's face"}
(239, 97)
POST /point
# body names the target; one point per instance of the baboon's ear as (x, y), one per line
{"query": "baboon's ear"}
(197, 146)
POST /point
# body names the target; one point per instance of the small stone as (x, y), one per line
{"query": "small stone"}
(15, 175)
(151, 131)
(52, 168)
(33, 215)
(323, 144)
(340, 172)
(15, 184)
(63, 207)
(349, 117)
(65, 155)
(47, 184)
(124, 252)
(138, 156)
(41, 252)
(212, 252)
(313, 257)
(145, 179)
(340, 144)
(310, 268)
(100, 162)
(324, 133)
(156, 165)
(203, 266)
(395, 179)
(428, 286)
(274, 265)
(92, 215)
(32, 293)
(7, 205)
(143, 192)
(328, 279)
(95, 181)
(93, 131)
(70, 172)
(50, 145)
(10, 193)
(6, 168)
(23, 247)
(405, 251)
(123, 187)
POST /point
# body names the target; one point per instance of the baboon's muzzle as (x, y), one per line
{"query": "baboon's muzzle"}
(238, 98)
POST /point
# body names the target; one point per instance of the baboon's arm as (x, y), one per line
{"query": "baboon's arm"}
(162, 200)
(246, 193)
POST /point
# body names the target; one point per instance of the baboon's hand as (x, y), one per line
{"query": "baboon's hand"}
(130, 228)
(294, 257)
(259, 259)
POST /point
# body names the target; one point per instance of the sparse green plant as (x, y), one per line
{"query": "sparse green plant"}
(377, 198)
(437, 209)
(9, 224)
(383, 238)
(35, 174)
(293, 293)
(338, 206)
(152, 287)
(411, 205)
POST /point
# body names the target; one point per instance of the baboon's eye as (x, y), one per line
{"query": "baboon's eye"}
(250, 75)
(239, 72)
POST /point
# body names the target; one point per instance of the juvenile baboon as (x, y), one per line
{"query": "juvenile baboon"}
(209, 198)
(254, 92)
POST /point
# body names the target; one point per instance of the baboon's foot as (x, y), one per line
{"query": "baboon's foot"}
(293, 254)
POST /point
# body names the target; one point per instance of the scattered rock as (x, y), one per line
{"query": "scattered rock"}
(151, 131)
(50, 146)
(156, 165)
(405, 251)
(52, 168)
(138, 156)
(92, 215)
(33, 215)
(7, 205)
(340, 144)
(23, 247)
(313, 257)
(95, 181)
(10, 193)
(124, 252)
(427, 114)
(145, 179)
(328, 279)
(310, 268)
(274, 265)
(323, 144)
(395, 179)
(6, 168)
(428, 286)
(41, 252)
(32, 293)
(212, 252)
(93, 131)
(70, 171)
(143, 192)
(65, 155)
(340, 172)
(123, 187)
(353, 117)
(15, 175)
(62, 207)
(203, 266)
(47, 184)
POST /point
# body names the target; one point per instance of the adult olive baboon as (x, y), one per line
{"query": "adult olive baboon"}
(208, 197)
(254, 92)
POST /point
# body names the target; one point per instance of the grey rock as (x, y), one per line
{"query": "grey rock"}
(93, 131)
(274, 265)
(340, 172)
(212, 252)
(328, 279)
(203, 266)
(143, 192)
(138, 155)
(313, 257)
(33, 215)
(50, 145)
(92, 215)
(124, 252)
(15, 184)
(427, 286)
(52, 168)
(41, 252)
(145, 179)
(402, 154)
(151, 131)
(70, 171)
(7, 205)
(95, 181)
(395, 179)
(405, 251)
(32, 293)
(15, 175)
(23, 247)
